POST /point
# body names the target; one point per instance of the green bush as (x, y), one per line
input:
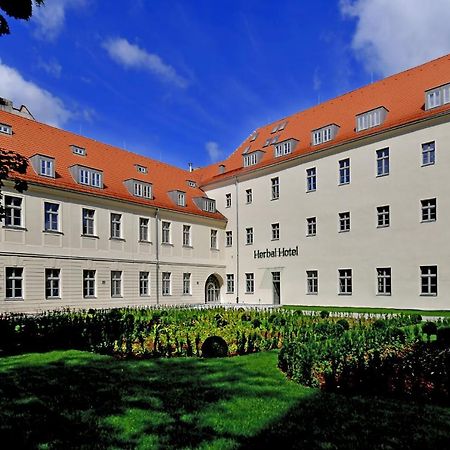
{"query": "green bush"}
(344, 324)
(214, 347)
(443, 336)
(429, 328)
(324, 314)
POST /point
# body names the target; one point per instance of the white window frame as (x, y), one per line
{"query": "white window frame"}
(312, 282)
(249, 238)
(14, 276)
(13, 211)
(88, 221)
(144, 284)
(383, 216)
(311, 179)
(187, 241)
(213, 240)
(230, 283)
(49, 225)
(344, 222)
(383, 162)
(187, 290)
(52, 283)
(249, 283)
(166, 284)
(275, 188)
(429, 153)
(46, 167)
(228, 200)
(344, 171)
(429, 209)
(311, 226)
(5, 129)
(345, 284)
(429, 281)
(116, 284)
(166, 235)
(384, 281)
(181, 198)
(228, 238)
(144, 229)
(249, 196)
(275, 231)
(115, 226)
(89, 283)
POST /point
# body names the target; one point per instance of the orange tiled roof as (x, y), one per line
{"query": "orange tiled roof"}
(403, 95)
(30, 137)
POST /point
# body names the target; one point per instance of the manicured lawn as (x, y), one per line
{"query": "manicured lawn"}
(75, 399)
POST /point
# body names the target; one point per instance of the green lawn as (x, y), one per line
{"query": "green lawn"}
(75, 399)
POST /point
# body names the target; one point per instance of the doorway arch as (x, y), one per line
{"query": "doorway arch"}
(212, 289)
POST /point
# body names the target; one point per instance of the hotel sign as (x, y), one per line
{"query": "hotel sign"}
(277, 252)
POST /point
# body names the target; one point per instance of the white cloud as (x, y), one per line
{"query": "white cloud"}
(393, 35)
(52, 67)
(131, 56)
(50, 17)
(42, 104)
(213, 151)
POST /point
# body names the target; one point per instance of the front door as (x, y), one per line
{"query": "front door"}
(276, 287)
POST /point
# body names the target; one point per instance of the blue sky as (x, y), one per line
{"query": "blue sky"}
(187, 81)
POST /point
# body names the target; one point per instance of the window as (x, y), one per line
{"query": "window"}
(228, 238)
(275, 188)
(428, 280)
(230, 283)
(52, 283)
(384, 281)
(275, 231)
(84, 176)
(116, 283)
(46, 167)
(324, 134)
(383, 216)
(253, 136)
(209, 205)
(181, 198)
(312, 282)
(5, 129)
(142, 189)
(214, 239)
(141, 169)
(51, 216)
(90, 177)
(116, 232)
(428, 153)
(249, 283)
(311, 179)
(311, 226)
(345, 281)
(88, 283)
(248, 196)
(284, 148)
(13, 211)
(144, 235)
(250, 159)
(14, 282)
(370, 119)
(191, 183)
(228, 200)
(344, 221)
(186, 235)
(186, 284)
(88, 222)
(165, 238)
(78, 150)
(344, 171)
(267, 142)
(429, 210)
(383, 162)
(437, 97)
(249, 236)
(144, 284)
(96, 179)
(166, 283)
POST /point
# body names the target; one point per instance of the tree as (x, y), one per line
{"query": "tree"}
(17, 9)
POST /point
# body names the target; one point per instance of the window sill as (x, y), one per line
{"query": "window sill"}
(166, 295)
(428, 221)
(311, 190)
(116, 239)
(273, 199)
(344, 184)
(93, 236)
(248, 293)
(249, 243)
(311, 235)
(379, 294)
(144, 295)
(53, 232)
(13, 228)
(344, 231)
(213, 249)
(144, 242)
(312, 293)
(428, 295)
(383, 226)
(90, 297)
(14, 299)
(427, 164)
(345, 293)
(381, 175)
(275, 239)
(188, 246)
(186, 295)
(52, 298)
(168, 244)
(116, 296)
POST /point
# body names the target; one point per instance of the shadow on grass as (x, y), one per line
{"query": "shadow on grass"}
(79, 400)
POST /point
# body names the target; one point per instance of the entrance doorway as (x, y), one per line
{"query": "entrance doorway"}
(276, 282)
(212, 290)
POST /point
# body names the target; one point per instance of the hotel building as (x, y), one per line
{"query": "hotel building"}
(345, 203)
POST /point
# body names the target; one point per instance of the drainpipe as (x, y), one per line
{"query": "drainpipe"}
(157, 255)
(237, 237)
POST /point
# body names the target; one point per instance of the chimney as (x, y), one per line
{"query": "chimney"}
(6, 105)
(221, 168)
(190, 167)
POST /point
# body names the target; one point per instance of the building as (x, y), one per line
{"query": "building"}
(346, 203)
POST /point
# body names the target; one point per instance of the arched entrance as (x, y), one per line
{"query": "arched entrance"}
(212, 290)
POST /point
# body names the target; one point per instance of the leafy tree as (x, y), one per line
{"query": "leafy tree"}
(17, 9)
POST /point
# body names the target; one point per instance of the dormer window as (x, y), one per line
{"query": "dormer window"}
(437, 97)
(178, 197)
(371, 119)
(324, 134)
(78, 150)
(246, 149)
(191, 183)
(253, 136)
(279, 127)
(43, 165)
(87, 176)
(142, 189)
(282, 126)
(250, 159)
(285, 147)
(268, 141)
(275, 140)
(5, 129)
(141, 169)
(205, 204)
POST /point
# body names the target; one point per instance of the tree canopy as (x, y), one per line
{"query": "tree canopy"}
(17, 9)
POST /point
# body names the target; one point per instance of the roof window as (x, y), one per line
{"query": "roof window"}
(5, 129)
(437, 97)
(78, 150)
(371, 119)
(141, 169)
(324, 134)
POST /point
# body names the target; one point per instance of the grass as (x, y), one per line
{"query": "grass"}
(356, 309)
(76, 399)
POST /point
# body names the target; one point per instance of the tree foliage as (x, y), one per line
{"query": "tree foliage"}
(17, 9)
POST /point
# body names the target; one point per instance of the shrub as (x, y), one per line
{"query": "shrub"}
(443, 336)
(343, 323)
(256, 323)
(429, 328)
(380, 324)
(324, 314)
(214, 347)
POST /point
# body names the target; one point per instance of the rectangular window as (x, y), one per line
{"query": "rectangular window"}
(5, 129)
(166, 283)
(165, 238)
(428, 153)
(116, 283)
(228, 238)
(88, 222)
(249, 196)
(384, 281)
(46, 167)
(14, 282)
(13, 211)
(141, 169)
(344, 171)
(116, 229)
(344, 221)
(383, 216)
(51, 216)
(437, 96)
(144, 284)
(144, 235)
(96, 179)
(429, 210)
(230, 283)
(275, 231)
(228, 200)
(383, 162)
(186, 284)
(275, 188)
(312, 282)
(88, 283)
(142, 189)
(78, 150)
(311, 179)
(181, 199)
(214, 239)
(186, 235)
(84, 176)
(311, 226)
(249, 236)
(428, 280)
(345, 282)
(370, 119)
(249, 283)
(284, 148)
(52, 282)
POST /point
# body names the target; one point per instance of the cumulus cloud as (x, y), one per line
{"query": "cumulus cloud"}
(43, 105)
(132, 56)
(213, 151)
(393, 35)
(50, 18)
